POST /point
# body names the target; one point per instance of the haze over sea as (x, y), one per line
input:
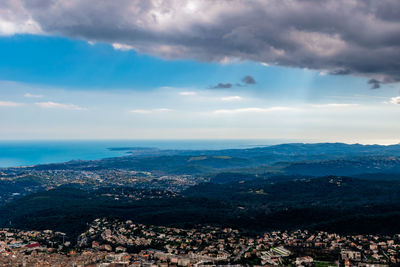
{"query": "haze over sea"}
(24, 153)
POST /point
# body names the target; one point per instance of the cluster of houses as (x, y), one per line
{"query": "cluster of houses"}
(226, 245)
(124, 243)
(51, 179)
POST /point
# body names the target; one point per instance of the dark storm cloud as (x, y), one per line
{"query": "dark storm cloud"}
(222, 86)
(375, 84)
(357, 37)
(248, 80)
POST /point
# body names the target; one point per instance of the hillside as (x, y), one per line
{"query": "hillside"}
(339, 204)
(310, 159)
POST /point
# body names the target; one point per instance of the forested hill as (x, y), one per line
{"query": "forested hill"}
(311, 159)
(338, 204)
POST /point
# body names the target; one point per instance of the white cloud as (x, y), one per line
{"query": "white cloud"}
(55, 105)
(8, 27)
(231, 98)
(323, 73)
(29, 95)
(283, 108)
(395, 100)
(254, 110)
(122, 47)
(10, 104)
(228, 60)
(334, 105)
(150, 111)
(187, 93)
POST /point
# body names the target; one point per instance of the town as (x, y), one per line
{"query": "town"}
(114, 242)
(22, 181)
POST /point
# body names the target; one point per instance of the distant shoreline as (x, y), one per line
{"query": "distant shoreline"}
(27, 153)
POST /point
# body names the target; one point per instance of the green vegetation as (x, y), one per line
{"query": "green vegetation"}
(244, 190)
(324, 264)
(336, 204)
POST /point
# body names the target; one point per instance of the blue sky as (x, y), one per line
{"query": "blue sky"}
(62, 85)
(59, 88)
(75, 64)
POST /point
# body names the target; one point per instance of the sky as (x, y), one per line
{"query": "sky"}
(314, 71)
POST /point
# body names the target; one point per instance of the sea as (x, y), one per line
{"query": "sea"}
(27, 153)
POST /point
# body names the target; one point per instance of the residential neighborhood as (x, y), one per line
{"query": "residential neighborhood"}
(112, 242)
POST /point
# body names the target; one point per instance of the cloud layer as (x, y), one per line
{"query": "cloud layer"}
(10, 104)
(150, 111)
(395, 100)
(357, 37)
(55, 105)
